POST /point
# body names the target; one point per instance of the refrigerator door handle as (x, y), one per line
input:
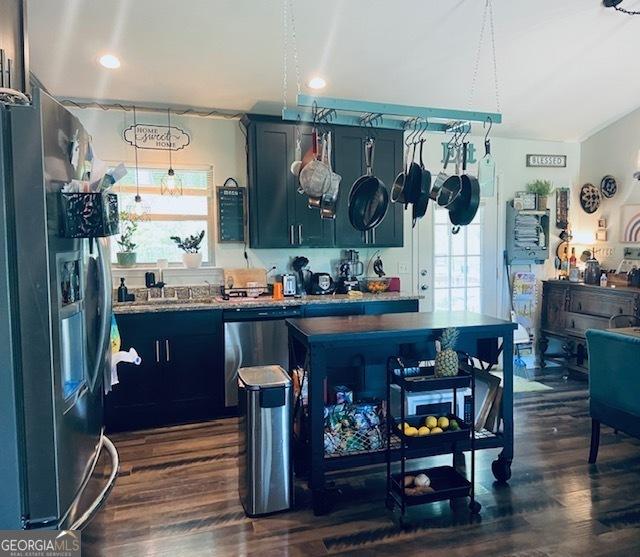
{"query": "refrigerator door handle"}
(105, 311)
(166, 347)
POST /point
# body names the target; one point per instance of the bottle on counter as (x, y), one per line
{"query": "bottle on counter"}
(123, 291)
(564, 264)
(572, 260)
(604, 280)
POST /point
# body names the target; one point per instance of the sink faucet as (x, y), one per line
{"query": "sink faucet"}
(209, 286)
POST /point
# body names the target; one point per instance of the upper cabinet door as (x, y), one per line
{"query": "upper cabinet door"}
(270, 150)
(349, 162)
(387, 163)
(309, 229)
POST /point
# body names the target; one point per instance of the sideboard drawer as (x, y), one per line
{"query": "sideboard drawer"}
(603, 305)
(577, 323)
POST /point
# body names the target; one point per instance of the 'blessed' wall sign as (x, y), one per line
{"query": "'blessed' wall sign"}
(150, 136)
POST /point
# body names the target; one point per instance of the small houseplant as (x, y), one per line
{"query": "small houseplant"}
(542, 189)
(192, 258)
(128, 226)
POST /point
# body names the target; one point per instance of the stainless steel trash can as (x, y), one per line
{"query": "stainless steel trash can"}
(265, 479)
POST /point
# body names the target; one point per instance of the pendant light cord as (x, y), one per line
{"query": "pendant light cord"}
(169, 121)
(135, 149)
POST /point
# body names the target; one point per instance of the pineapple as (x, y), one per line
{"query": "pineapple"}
(447, 357)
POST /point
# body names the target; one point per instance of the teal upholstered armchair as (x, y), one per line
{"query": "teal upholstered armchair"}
(614, 384)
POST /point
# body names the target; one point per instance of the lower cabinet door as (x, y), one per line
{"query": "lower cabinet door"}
(136, 401)
(192, 377)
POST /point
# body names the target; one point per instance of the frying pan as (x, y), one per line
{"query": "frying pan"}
(369, 198)
(397, 188)
(420, 206)
(444, 198)
(464, 208)
(413, 181)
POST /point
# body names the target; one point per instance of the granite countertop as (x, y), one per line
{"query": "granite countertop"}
(170, 304)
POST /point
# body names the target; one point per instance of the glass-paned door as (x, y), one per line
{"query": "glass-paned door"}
(457, 264)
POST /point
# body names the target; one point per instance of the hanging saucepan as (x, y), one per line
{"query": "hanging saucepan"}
(420, 206)
(464, 208)
(444, 197)
(369, 199)
(315, 177)
(413, 180)
(397, 188)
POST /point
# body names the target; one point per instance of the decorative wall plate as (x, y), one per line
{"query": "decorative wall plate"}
(590, 198)
(608, 186)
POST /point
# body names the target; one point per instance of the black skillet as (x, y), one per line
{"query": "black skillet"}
(420, 206)
(463, 210)
(413, 182)
(369, 198)
(397, 188)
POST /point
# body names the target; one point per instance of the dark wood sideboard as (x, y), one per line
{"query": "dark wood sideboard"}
(569, 309)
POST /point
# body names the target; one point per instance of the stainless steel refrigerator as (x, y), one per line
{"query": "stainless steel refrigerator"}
(55, 318)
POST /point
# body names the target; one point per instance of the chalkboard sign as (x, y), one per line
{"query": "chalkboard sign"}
(231, 208)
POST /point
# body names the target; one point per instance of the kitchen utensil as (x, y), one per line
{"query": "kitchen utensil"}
(487, 167)
(589, 198)
(369, 199)
(321, 283)
(298, 265)
(465, 206)
(438, 194)
(608, 186)
(397, 188)
(329, 200)
(254, 289)
(149, 279)
(420, 206)
(413, 180)
(378, 267)
(296, 165)
(315, 177)
(289, 284)
(278, 292)
(346, 281)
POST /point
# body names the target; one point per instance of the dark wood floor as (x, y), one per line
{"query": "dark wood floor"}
(177, 496)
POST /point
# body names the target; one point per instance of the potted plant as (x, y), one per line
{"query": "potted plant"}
(192, 258)
(128, 226)
(542, 189)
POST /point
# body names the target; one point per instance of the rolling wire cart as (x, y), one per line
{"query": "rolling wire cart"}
(446, 481)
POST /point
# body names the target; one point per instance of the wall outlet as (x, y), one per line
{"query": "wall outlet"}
(403, 269)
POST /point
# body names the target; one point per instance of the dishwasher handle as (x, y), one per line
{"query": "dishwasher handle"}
(261, 314)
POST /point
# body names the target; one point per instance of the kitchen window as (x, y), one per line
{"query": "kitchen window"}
(458, 266)
(168, 215)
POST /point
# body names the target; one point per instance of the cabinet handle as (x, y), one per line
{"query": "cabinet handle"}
(366, 236)
(291, 238)
(373, 235)
(166, 347)
(580, 306)
(299, 234)
(157, 351)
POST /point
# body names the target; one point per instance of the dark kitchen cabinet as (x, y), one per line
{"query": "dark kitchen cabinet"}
(181, 377)
(279, 216)
(350, 164)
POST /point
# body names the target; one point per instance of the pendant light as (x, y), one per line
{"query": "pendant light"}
(138, 207)
(170, 183)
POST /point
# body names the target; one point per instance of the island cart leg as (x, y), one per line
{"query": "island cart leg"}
(316, 375)
(501, 467)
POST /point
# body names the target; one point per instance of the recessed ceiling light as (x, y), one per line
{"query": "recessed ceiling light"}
(317, 83)
(109, 61)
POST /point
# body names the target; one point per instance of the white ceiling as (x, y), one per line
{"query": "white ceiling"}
(565, 68)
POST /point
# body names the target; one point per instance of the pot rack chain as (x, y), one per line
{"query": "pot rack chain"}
(615, 4)
(289, 28)
(488, 11)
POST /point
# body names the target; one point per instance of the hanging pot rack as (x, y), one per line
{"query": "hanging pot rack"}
(349, 112)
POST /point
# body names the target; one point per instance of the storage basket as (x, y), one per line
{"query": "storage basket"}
(354, 428)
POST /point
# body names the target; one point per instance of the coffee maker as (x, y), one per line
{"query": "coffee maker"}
(350, 268)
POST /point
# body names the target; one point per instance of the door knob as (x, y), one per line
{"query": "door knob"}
(423, 273)
(424, 287)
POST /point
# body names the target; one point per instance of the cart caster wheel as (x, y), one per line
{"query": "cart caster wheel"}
(389, 503)
(501, 469)
(475, 507)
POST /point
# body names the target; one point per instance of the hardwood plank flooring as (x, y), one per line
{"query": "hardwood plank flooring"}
(177, 496)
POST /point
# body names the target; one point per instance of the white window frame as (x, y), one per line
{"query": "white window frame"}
(153, 190)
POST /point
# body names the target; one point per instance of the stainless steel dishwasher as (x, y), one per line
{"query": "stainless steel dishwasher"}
(254, 337)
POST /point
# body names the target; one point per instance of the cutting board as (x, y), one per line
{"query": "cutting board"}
(240, 277)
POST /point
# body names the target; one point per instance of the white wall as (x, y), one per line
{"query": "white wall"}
(221, 143)
(613, 150)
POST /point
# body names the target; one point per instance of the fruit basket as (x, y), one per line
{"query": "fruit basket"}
(437, 435)
(415, 378)
(445, 483)
(376, 285)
